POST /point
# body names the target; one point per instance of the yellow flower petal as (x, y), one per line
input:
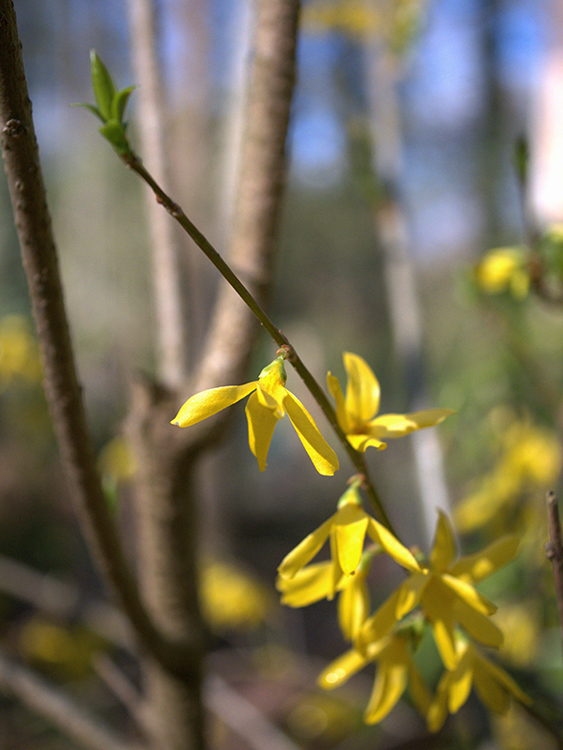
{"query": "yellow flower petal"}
(308, 585)
(469, 595)
(501, 677)
(321, 454)
(353, 605)
(444, 548)
(419, 693)
(210, 402)
(261, 424)
(380, 623)
(349, 529)
(437, 603)
(341, 669)
(361, 442)
(392, 546)
(475, 568)
(438, 711)
(362, 390)
(390, 681)
(459, 683)
(396, 425)
(336, 391)
(305, 550)
(478, 625)
(411, 592)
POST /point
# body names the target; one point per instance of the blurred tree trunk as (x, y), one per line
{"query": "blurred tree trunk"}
(168, 500)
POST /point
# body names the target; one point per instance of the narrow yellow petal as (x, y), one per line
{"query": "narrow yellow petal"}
(340, 670)
(437, 604)
(438, 711)
(444, 548)
(459, 684)
(349, 531)
(411, 593)
(396, 425)
(308, 585)
(262, 421)
(321, 454)
(361, 442)
(336, 391)
(501, 677)
(392, 546)
(418, 691)
(381, 622)
(491, 692)
(477, 625)
(353, 605)
(210, 402)
(474, 568)
(362, 390)
(305, 550)
(469, 595)
(390, 681)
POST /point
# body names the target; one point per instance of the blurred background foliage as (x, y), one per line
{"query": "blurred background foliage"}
(467, 77)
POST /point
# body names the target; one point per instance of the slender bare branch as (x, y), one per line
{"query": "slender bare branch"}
(554, 551)
(55, 706)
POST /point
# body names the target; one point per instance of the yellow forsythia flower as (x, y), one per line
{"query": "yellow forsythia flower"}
(445, 590)
(356, 411)
(503, 269)
(347, 530)
(269, 402)
(493, 685)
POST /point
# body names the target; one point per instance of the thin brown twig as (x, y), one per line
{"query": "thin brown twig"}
(357, 459)
(554, 551)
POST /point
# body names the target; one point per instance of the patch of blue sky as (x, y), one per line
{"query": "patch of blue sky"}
(522, 38)
(317, 148)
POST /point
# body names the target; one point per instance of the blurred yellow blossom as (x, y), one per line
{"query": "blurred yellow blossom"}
(445, 590)
(68, 650)
(269, 402)
(395, 670)
(115, 460)
(356, 411)
(346, 530)
(530, 461)
(232, 599)
(493, 685)
(19, 353)
(503, 269)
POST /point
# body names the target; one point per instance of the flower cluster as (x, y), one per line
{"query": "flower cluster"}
(442, 591)
(438, 593)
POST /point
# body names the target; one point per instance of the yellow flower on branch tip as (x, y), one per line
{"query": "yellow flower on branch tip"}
(346, 530)
(356, 411)
(445, 590)
(269, 402)
(493, 685)
(395, 670)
